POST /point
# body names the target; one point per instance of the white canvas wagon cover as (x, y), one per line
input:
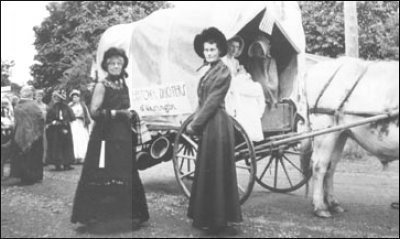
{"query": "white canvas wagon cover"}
(162, 66)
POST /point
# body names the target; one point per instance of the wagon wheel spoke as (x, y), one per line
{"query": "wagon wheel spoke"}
(265, 169)
(286, 173)
(181, 147)
(295, 166)
(238, 155)
(190, 141)
(189, 157)
(188, 165)
(243, 167)
(259, 158)
(186, 174)
(292, 152)
(241, 189)
(240, 145)
(276, 173)
(181, 165)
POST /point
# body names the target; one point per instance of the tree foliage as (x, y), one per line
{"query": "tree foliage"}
(5, 72)
(66, 41)
(378, 23)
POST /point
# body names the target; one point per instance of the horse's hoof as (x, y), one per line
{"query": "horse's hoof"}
(322, 213)
(336, 209)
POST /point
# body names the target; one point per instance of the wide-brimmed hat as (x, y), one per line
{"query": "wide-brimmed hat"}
(241, 43)
(113, 51)
(74, 92)
(208, 34)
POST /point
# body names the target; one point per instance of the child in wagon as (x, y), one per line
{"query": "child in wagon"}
(245, 98)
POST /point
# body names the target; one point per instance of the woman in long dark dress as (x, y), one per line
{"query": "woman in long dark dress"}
(214, 198)
(60, 150)
(110, 186)
(28, 139)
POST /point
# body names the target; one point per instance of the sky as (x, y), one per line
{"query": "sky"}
(17, 36)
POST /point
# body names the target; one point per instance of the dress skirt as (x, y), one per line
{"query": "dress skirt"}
(214, 197)
(112, 191)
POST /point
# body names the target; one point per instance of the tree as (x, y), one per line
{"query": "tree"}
(6, 72)
(378, 22)
(379, 29)
(67, 40)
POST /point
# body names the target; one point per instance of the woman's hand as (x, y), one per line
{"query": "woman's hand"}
(189, 130)
(121, 114)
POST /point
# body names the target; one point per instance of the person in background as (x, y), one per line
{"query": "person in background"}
(39, 93)
(14, 100)
(60, 151)
(214, 200)
(235, 49)
(249, 105)
(80, 126)
(28, 139)
(7, 129)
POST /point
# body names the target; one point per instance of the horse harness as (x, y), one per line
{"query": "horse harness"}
(335, 112)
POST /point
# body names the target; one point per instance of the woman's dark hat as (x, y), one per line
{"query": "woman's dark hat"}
(113, 51)
(208, 34)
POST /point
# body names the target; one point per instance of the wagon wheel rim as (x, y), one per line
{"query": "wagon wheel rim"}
(184, 160)
(282, 171)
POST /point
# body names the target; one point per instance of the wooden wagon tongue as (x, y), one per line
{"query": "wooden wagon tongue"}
(291, 138)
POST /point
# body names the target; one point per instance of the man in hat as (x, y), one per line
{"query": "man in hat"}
(58, 132)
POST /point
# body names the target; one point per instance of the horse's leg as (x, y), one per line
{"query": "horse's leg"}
(331, 201)
(323, 149)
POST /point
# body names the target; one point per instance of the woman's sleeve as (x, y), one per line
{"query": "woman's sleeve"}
(71, 113)
(87, 119)
(97, 101)
(217, 95)
(49, 114)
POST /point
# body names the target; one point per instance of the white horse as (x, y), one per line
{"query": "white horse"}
(343, 91)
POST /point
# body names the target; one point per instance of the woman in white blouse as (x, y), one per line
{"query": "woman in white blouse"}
(80, 126)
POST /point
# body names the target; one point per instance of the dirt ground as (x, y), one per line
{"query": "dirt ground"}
(44, 209)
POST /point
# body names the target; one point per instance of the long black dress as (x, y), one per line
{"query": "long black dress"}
(115, 190)
(214, 197)
(60, 150)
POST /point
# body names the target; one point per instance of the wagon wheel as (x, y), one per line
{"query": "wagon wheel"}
(285, 168)
(184, 159)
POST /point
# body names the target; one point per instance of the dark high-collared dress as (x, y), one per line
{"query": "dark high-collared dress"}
(112, 189)
(214, 197)
(60, 150)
